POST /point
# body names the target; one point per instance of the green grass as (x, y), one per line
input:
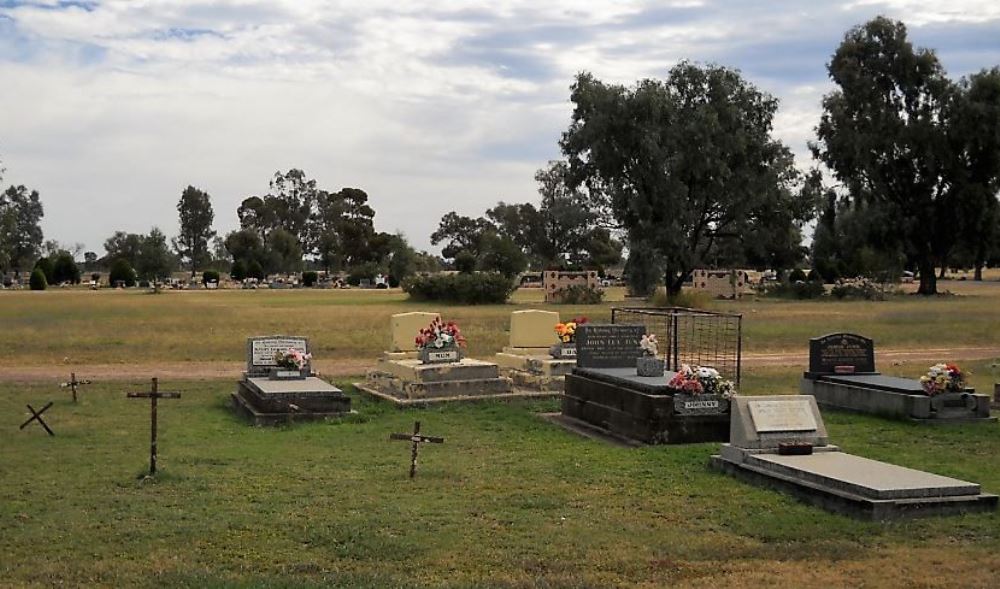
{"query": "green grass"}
(508, 501)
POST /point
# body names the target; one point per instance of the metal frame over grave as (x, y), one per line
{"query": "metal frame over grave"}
(691, 336)
(606, 395)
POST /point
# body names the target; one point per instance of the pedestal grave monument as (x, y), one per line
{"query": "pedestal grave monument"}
(270, 393)
(605, 394)
(433, 370)
(780, 441)
(842, 375)
(535, 359)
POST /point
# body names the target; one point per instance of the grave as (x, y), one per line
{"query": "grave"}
(842, 376)
(781, 442)
(407, 375)
(270, 395)
(605, 395)
(528, 361)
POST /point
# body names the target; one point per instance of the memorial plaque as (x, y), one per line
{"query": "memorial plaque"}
(608, 346)
(261, 351)
(841, 353)
(700, 404)
(442, 356)
(793, 415)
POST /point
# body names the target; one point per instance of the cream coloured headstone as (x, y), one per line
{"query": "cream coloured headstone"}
(784, 415)
(405, 327)
(533, 329)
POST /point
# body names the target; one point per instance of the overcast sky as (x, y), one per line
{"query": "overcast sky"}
(109, 109)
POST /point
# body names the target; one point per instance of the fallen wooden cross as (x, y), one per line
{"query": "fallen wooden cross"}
(153, 395)
(417, 439)
(37, 415)
(73, 384)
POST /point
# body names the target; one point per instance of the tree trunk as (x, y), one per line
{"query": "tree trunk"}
(978, 277)
(943, 269)
(928, 280)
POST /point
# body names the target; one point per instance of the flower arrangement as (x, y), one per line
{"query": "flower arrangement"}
(440, 334)
(697, 380)
(648, 345)
(943, 378)
(292, 359)
(567, 331)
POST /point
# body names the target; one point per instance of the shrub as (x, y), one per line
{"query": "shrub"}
(37, 280)
(95, 276)
(45, 265)
(310, 278)
(469, 289)
(64, 269)
(797, 275)
(814, 276)
(579, 294)
(121, 271)
(255, 270)
(857, 288)
(209, 276)
(239, 270)
(810, 289)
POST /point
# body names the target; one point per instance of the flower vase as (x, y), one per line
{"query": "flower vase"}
(649, 366)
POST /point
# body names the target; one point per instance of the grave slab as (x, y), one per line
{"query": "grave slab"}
(262, 398)
(842, 376)
(840, 482)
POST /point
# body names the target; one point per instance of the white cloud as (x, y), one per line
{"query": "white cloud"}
(111, 108)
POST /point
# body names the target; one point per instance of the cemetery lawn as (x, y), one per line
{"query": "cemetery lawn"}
(508, 501)
(81, 328)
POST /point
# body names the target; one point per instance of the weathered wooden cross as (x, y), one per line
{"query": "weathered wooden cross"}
(153, 395)
(37, 415)
(74, 383)
(417, 439)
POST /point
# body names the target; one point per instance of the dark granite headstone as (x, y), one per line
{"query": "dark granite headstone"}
(841, 353)
(608, 346)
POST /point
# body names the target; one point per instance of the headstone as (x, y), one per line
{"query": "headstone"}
(608, 346)
(261, 352)
(405, 327)
(533, 329)
(767, 421)
(841, 353)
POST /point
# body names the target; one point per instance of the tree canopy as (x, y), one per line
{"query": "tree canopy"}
(684, 165)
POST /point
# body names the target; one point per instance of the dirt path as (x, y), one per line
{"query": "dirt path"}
(357, 366)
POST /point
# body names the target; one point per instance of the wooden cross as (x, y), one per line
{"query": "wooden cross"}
(153, 395)
(73, 383)
(417, 439)
(37, 415)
